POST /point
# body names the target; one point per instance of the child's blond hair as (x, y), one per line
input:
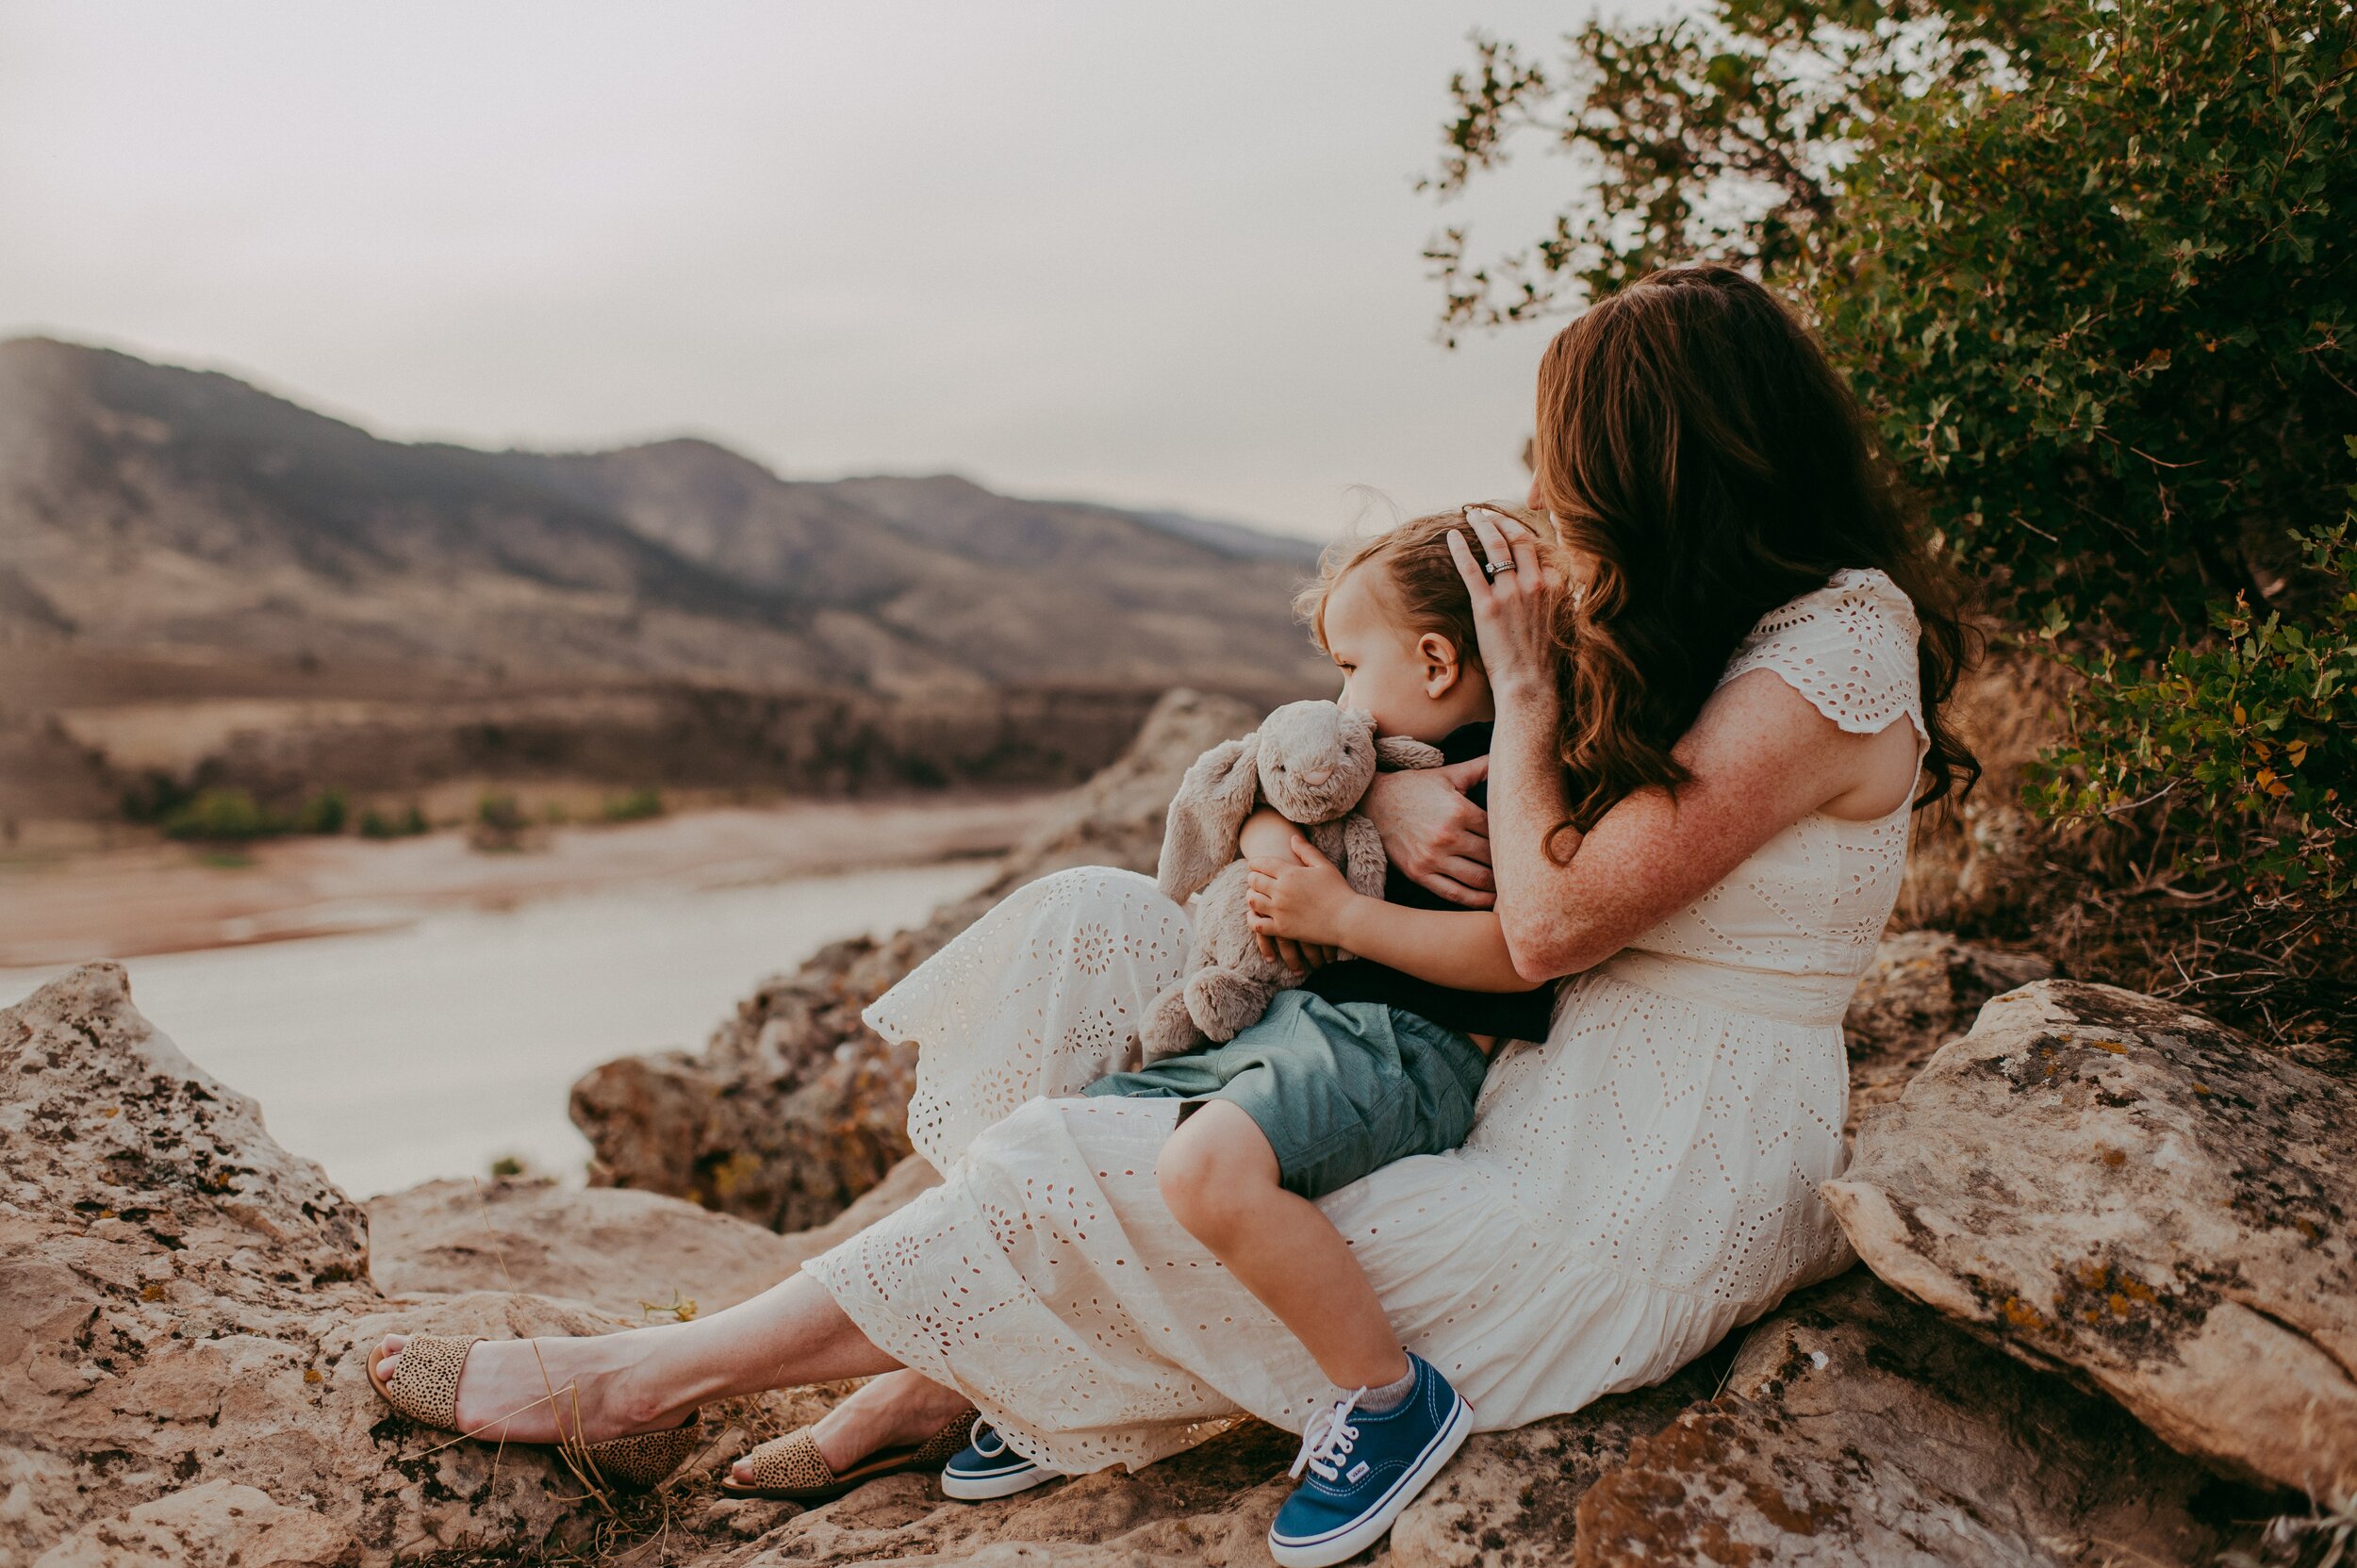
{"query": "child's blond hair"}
(1426, 587)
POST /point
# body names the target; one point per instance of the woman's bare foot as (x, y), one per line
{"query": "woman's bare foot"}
(899, 1410)
(540, 1390)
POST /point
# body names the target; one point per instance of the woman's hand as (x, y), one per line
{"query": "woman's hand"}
(1436, 837)
(1513, 603)
(1302, 900)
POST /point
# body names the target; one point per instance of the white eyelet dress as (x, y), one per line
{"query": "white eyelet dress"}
(1636, 1185)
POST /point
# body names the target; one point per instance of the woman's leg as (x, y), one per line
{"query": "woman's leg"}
(899, 1410)
(646, 1379)
(1220, 1178)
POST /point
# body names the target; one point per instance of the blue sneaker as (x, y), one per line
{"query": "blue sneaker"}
(1365, 1469)
(986, 1468)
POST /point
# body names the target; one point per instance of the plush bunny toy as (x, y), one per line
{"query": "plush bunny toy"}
(1312, 761)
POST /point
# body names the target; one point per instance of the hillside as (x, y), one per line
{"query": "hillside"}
(200, 577)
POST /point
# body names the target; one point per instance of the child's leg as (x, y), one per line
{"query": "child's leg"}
(1219, 1176)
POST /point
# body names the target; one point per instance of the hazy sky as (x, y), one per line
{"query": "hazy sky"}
(1157, 255)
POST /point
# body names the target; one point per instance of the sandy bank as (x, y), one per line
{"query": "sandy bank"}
(170, 897)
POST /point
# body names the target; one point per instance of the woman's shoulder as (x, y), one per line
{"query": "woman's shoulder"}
(1861, 601)
(1849, 646)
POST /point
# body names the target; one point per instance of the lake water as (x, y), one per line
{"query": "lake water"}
(393, 1057)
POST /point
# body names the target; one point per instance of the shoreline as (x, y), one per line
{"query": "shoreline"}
(167, 898)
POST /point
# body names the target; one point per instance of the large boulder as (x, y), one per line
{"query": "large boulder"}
(2119, 1189)
(182, 1311)
(795, 1107)
(184, 1307)
(1858, 1427)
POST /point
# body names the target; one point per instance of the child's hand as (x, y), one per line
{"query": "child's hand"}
(1303, 900)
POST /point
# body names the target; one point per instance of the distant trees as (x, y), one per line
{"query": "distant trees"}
(2092, 265)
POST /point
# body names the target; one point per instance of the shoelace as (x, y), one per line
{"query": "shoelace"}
(1326, 1442)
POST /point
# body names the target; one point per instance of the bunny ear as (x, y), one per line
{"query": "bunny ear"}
(1207, 814)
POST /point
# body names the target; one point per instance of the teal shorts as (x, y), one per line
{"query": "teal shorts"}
(1338, 1090)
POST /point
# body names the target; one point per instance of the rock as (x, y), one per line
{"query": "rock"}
(1210, 1506)
(2126, 1191)
(1858, 1427)
(180, 1305)
(1508, 1499)
(183, 1306)
(1921, 992)
(219, 1524)
(795, 1107)
(635, 1256)
(1504, 1501)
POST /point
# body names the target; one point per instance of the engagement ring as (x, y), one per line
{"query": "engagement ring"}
(1491, 569)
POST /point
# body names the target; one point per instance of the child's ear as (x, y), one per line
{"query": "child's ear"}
(1443, 668)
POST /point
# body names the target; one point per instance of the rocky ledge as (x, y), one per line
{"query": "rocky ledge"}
(187, 1305)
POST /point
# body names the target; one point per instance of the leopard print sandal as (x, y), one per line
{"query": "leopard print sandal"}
(790, 1468)
(424, 1387)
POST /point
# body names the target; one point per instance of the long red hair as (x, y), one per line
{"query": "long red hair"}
(1694, 439)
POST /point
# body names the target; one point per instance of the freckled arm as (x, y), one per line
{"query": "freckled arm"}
(1761, 758)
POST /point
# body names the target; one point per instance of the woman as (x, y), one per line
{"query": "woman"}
(1708, 745)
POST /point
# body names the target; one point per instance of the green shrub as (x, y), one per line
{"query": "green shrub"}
(233, 816)
(2108, 321)
(499, 822)
(155, 797)
(2245, 742)
(376, 824)
(223, 816)
(634, 805)
(323, 813)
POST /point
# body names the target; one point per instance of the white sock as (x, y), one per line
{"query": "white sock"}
(1384, 1400)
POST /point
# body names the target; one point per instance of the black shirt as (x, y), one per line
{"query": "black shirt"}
(1507, 1015)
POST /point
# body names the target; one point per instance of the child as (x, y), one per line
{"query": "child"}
(1369, 1060)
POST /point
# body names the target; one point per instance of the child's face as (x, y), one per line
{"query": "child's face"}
(1414, 683)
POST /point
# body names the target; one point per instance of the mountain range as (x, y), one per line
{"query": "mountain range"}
(144, 504)
(173, 536)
